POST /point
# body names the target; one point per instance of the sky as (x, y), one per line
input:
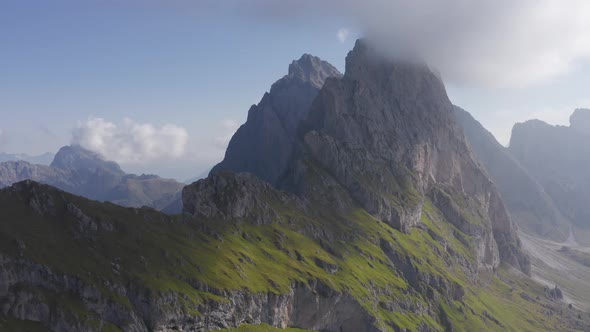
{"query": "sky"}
(160, 86)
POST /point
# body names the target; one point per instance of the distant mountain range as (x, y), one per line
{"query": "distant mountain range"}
(82, 172)
(43, 159)
(544, 174)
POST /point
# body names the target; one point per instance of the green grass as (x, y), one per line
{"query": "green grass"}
(12, 324)
(165, 253)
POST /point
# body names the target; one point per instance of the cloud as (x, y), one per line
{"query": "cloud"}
(226, 130)
(502, 43)
(343, 34)
(131, 142)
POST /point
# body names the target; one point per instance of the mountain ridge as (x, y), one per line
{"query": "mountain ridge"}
(86, 173)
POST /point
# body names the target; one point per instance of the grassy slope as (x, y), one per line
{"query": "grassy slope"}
(163, 252)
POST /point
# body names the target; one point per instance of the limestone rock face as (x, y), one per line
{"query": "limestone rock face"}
(558, 157)
(527, 201)
(264, 144)
(387, 133)
(228, 196)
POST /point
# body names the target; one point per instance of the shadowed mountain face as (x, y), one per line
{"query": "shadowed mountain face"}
(379, 220)
(82, 172)
(264, 144)
(558, 157)
(527, 202)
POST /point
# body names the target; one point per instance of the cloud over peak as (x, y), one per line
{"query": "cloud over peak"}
(131, 142)
(501, 43)
(343, 34)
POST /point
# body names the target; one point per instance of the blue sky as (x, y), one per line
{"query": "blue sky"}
(197, 65)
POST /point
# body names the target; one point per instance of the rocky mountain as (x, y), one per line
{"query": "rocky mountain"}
(43, 159)
(558, 157)
(527, 201)
(264, 144)
(82, 172)
(382, 220)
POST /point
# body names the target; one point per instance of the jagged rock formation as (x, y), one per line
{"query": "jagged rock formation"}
(231, 197)
(386, 132)
(264, 144)
(526, 200)
(558, 157)
(82, 172)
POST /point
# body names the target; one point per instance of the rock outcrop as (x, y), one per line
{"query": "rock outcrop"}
(225, 196)
(526, 200)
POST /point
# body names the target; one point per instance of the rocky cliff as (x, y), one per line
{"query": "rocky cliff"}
(387, 134)
(264, 144)
(558, 157)
(82, 172)
(526, 200)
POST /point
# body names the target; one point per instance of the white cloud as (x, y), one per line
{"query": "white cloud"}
(226, 130)
(131, 142)
(502, 43)
(343, 34)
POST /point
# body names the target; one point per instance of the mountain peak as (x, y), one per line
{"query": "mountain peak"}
(77, 158)
(580, 120)
(312, 69)
(263, 145)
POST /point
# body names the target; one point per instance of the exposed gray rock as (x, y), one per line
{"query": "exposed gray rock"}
(228, 196)
(387, 133)
(264, 144)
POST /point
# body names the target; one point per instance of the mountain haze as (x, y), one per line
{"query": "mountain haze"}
(43, 159)
(525, 198)
(558, 157)
(82, 172)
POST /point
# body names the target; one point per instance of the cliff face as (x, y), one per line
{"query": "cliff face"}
(82, 172)
(558, 157)
(134, 290)
(264, 144)
(386, 132)
(526, 200)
